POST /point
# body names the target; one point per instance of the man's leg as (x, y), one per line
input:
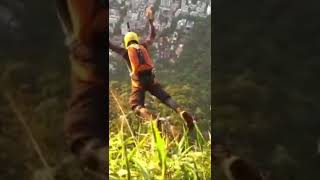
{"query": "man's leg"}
(87, 114)
(86, 126)
(85, 121)
(156, 90)
(136, 102)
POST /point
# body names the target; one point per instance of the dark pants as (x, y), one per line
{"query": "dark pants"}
(86, 117)
(143, 83)
(85, 24)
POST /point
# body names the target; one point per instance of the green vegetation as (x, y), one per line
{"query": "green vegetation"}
(146, 155)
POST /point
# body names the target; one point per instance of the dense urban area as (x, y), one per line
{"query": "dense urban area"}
(174, 20)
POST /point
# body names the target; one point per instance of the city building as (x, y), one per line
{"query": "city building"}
(124, 28)
(194, 13)
(175, 36)
(165, 3)
(177, 13)
(111, 68)
(168, 47)
(114, 16)
(192, 7)
(181, 23)
(189, 26)
(184, 7)
(179, 50)
(135, 4)
(209, 10)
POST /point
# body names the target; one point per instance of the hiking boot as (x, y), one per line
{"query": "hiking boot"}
(187, 117)
(145, 113)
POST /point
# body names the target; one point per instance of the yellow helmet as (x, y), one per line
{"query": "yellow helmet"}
(130, 36)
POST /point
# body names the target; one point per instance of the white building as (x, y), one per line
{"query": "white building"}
(111, 29)
(165, 8)
(209, 10)
(134, 17)
(203, 5)
(177, 13)
(183, 3)
(175, 36)
(175, 6)
(179, 50)
(114, 16)
(111, 67)
(135, 4)
(165, 3)
(184, 10)
(181, 23)
(124, 28)
(192, 7)
(117, 40)
(169, 23)
(151, 1)
(190, 24)
(112, 23)
(194, 13)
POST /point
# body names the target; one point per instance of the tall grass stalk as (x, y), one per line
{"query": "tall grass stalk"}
(160, 144)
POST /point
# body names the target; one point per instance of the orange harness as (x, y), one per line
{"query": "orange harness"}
(140, 61)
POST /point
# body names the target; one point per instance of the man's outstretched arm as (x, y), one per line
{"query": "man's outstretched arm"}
(117, 49)
(152, 33)
(148, 42)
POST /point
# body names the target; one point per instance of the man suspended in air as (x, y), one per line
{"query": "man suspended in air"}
(141, 66)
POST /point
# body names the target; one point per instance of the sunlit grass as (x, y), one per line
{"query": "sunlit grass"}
(148, 154)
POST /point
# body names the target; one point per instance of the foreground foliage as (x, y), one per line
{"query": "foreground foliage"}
(147, 155)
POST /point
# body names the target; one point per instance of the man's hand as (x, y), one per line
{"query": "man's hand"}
(149, 13)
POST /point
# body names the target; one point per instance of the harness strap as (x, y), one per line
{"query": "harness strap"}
(140, 57)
